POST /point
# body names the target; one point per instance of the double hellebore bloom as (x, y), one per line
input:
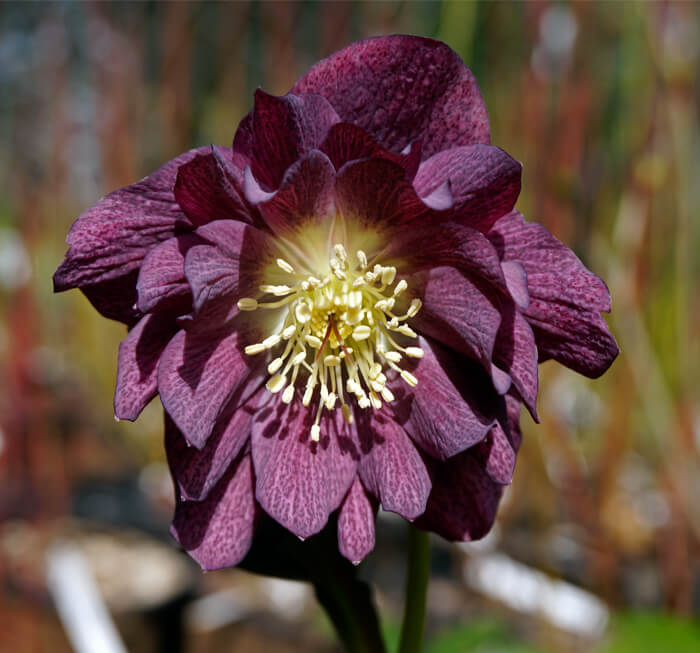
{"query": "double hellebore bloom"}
(341, 311)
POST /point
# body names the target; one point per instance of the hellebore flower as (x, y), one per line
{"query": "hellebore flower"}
(341, 311)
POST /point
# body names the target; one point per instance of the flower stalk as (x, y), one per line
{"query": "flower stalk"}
(413, 627)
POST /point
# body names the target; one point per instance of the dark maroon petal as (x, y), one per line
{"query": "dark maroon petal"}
(231, 267)
(161, 284)
(452, 408)
(356, 524)
(111, 239)
(115, 298)
(565, 297)
(137, 367)
(198, 470)
(300, 482)
(516, 353)
(391, 467)
(428, 246)
(346, 142)
(483, 180)
(498, 451)
(516, 281)
(457, 312)
(463, 503)
(210, 187)
(401, 89)
(376, 193)
(199, 371)
(218, 531)
(305, 195)
(283, 130)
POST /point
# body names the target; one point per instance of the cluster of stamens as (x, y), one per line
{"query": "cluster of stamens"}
(341, 330)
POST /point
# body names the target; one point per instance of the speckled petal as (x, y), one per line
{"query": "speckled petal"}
(210, 187)
(484, 182)
(198, 470)
(218, 531)
(137, 368)
(391, 467)
(464, 499)
(356, 524)
(300, 482)
(565, 297)
(453, 406)
(199, 371)
(401, 89)
(283, 129)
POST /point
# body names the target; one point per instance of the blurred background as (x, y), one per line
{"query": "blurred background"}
(596, 545)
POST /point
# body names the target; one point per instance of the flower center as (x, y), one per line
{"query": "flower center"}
(340, 329)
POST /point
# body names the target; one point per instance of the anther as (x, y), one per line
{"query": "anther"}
(284, 265)
(247, 304)
(271, 341)
(407, 331)
(388, 275)
(313, 341)
(409, 378)
(257, 348)
(361, 333)
(276, 383)
(288, 394)
(289, 331)
(331, 361)
(302, 312)
(414, 352)
(393, 356)
(274, 365)
(400, 287)
(362, 258)
(414, 307)
(315, 432)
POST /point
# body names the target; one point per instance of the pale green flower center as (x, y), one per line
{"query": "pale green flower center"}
(338, 334)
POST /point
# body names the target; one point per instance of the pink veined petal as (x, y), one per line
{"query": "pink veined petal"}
(391, 467)
(305, 195)
(453, 406)
(111, 239)
(197, 471)
(115, 298)
(161, 284)
(565, 297)
(210, 187)
(199, 371)
(283, 129)
(346, 142)
(229, 268)
(498, 450)
(300, 483)
(137, 368)
(356, 524)
(401, 89)
(464, 499)
(218, 531)
(449, 244)
(516, 353)
(484, 183)
(457, 312)
(376, 193)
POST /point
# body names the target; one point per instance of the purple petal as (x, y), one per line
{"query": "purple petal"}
(498, 451)
(111, 239)
(428, 246)
(137, 367)
(283, 130)
(391, 467)
(346, 142)
(484, 183)
(457, 312)
(115, 298)
(161, 284)
(300, 482)
(516, 353)
(356, 524)
(376, 193)
(401, 89)
(305, 194)
(463, 503)
(209, 187)
(452, 407)
(565, 297)
(228, 269)
(218, 531)
(198, 470)
(198, 373)
(516, 281)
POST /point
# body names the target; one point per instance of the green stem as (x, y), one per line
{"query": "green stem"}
(413, 627)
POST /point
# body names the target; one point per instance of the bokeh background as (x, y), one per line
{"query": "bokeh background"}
(596, 546)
